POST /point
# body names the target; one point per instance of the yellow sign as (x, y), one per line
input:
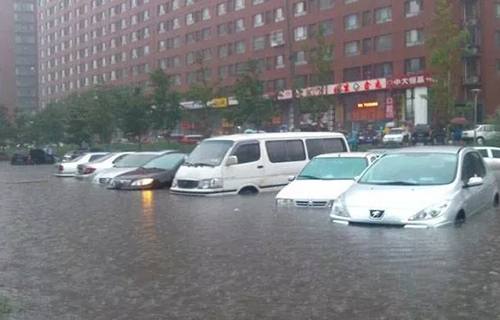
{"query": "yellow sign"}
(368, 105)
(219, 103)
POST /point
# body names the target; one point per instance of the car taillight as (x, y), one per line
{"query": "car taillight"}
(60, 168)
(88, 170)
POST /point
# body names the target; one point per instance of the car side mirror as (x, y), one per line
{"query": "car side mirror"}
(356, 178)
(231, 161)
(474, 182)
(291, 178)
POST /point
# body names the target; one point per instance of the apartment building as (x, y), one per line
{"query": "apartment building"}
(379, 70)
(18, 55)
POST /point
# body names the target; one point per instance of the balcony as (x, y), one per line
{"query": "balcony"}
(472, 81)
(472, 50)
(469, 22)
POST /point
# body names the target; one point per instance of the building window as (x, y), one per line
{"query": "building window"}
(222, 72)
(351, 22)
(280, 61)
(221, 9)
(352, 74)
(239, 47)
(497, 10)
(276, 38)
(327, 27)
(413, 8)
(383, 15)
(383, 70)
(300, 58)
(279, 15)
(222, 30)
(414, 37)
(256, 2)
(497, 38)
(299, 9)
(300, 33)
(325, 4)
(367, 18)
(414, 65)
(383, 43)
(351, 49)
(350, 1)
(223, 51)
(258, 20)
(239, 25)
(498, 67)
(367, 46)
(258, 43)
(205, 14)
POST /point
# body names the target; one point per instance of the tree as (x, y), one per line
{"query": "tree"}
(202, 92)
(167, 110)
(103, 112)
(321, 59)
(6, 127)
(48, 125)
(446, 42)
(135, 114)
(252, 106)
(76, 122)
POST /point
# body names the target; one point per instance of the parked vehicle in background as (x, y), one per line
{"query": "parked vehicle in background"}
(484, 132)
(397, 136)
(69, 169)
(191, 139)
(422, 134)
(491, 156)
(323, 179)
(127, 164)
(250, 163)
(419, 187)
(88, 170)
(368, 137)
(156, 174)
(35, 156)
(73, 154)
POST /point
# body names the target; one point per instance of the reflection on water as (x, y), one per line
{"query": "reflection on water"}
(148, 233)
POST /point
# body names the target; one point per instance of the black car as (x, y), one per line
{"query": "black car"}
(156, 174)
(423, 133)
(35, 156)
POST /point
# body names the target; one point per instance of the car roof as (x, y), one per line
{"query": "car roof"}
(430, 149)
(278, 135)
(345, 155)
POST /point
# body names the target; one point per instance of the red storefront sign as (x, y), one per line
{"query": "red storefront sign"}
(389, 108)
(367, 114)
(410, 81)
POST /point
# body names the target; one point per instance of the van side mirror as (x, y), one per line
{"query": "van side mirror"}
(474, 182)
(231, 161)
(291, 178)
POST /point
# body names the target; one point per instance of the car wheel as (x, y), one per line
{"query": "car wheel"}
(480, 141)
(460, 218)
(248, 191)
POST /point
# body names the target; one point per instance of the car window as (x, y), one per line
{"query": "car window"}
(166, 162)
(495, 153)
(338, 168)
(479, 168)
(135, 160)
(119, 158)
(472, 166)
(321, 146)
(483, 152)
(285, 151)
(95, 157)
(247, 153)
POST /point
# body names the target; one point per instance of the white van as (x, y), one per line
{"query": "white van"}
(248, 164)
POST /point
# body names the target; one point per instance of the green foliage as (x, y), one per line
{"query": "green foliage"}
(252, 106)
(5, 306)
(6, 126)
(167, 111)
(135, 119)
(445, 41)
(320, 60)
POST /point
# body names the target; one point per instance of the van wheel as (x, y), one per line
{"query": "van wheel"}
(248, 191)
(496, 201)
(460, 218)
(480, 141)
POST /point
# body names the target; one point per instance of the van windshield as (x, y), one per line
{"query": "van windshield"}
(209, 153)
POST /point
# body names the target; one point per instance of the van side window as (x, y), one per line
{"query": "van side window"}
(247, 153)
(285, 151)
(321, 146)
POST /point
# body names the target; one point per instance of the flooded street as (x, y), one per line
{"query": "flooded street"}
(71, 250)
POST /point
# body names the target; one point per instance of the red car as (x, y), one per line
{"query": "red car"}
(191, 139)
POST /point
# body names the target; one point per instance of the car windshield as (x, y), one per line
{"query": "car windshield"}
(102, 159)
(135, 160)
(412, 169)
(396, 131)
(165, 162)
(341, 168)
(209, 153)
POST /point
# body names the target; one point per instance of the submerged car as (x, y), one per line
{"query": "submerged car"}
(88, 170)
(419, 187)
(156, 174)
(128, 163)
(69, 169)
(323, 179)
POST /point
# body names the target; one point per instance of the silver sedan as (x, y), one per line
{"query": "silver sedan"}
(491, 156)
(419, 187)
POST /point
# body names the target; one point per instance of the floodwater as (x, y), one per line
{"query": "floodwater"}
(71, 250)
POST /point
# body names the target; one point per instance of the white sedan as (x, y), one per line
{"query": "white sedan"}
(491, 156)
(88, 170)
(323, 179)
(68, 169)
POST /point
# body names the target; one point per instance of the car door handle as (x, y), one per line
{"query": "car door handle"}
(260, 167)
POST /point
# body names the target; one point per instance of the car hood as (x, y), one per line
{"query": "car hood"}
(198, 173)
(314, 189)
(393, 135)
(413, 198)
(141, 173)
(113, 172)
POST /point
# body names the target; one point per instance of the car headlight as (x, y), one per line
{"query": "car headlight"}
(175, 184)
(339, 209)
(284, 202)
(210, 183)
(431, 212)
(142, 182)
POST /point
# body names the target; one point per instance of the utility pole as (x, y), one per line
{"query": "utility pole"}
(474, 121)
(291, 64)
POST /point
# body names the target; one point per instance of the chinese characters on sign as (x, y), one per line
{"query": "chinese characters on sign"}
(410, 81)
(389, 108)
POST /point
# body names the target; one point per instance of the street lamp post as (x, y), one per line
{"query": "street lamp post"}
(476, 94)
